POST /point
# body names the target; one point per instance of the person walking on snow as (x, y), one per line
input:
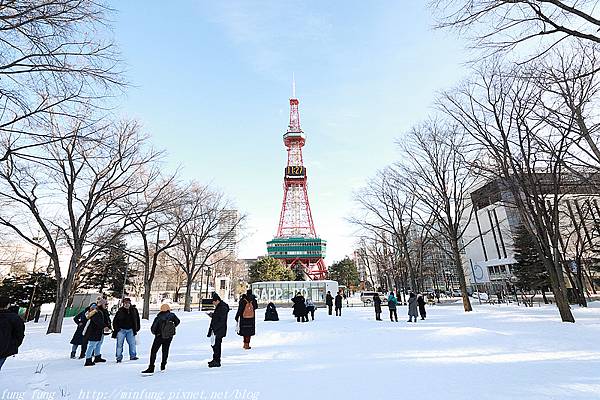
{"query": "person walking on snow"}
(126, 325)
(77, 339)
(338, 304)
(246, 317)
(377, 304)
(163, 329)
(329, 301)
(310, 308)
(392, 305)
(217, 329)
(12, 331)
(421, 304)
(412, 307)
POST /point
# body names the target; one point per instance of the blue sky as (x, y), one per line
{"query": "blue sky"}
(212, 81)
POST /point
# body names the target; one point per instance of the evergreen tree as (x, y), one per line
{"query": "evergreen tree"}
(344, 272)
(269, 269)
(529, 269)
(37, 287)
(106, 273)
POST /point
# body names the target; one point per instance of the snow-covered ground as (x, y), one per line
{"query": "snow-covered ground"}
(495, 352)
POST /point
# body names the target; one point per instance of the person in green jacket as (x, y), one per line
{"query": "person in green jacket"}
(392, 304)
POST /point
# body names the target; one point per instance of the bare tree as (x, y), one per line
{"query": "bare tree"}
(152, 213)
(208, 228)
(56, 56)
(505, 24)
(438, 173)
(71, 192)
(503, 114)
(387, 207)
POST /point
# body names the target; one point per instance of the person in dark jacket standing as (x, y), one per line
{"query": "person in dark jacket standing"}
(94, 332)
(246, 317)
(412, 308)
(217, 329)
(163, 329)
(338, 304)
(392, 306)
(329, 301)
(126, 325)
(300, 311)
(421, 304)
(77, 339)
(12, 331)
(377, 304)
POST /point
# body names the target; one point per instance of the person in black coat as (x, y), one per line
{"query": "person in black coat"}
(421, 305)
(93, 332)
(12, 331)
(329, 301)
(126, 325)
(162, 337)
(217, 328)
(271, 313)
(338, 304)
(300, 311)
(246, 317)
(77, 339)
(377, 304)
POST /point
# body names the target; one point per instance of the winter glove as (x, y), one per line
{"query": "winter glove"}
(114, 335)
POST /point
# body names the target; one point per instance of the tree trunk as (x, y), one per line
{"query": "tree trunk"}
(188, 295)
(58, 314)
(146, 306)
(543, 289)
(462, 281)
(560, 296)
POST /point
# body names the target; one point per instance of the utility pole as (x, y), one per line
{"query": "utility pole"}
(475, 279)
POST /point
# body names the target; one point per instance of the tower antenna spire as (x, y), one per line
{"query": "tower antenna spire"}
(293, 86)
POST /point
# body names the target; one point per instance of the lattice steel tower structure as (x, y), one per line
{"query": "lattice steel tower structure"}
(296, 242)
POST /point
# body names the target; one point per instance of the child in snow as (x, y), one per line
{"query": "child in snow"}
(310, 308)
(271, 313)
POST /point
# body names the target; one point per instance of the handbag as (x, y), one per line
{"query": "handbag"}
(213, 339)
(237, 327)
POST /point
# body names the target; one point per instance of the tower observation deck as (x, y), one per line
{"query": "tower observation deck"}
(296, 242)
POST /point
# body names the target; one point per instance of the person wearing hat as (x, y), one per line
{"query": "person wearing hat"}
(94, 333)
(246, 317)
(217, 329)
(126, 325)
(163, 329)
(12, 331)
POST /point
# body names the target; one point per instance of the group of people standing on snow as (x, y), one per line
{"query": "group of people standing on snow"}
(303, 307)
(329, 302)
(94, 323)
(416, 306)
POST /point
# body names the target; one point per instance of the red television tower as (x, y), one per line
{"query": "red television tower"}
(296, 242)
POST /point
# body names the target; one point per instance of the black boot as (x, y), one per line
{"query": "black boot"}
(149, 370)
(163, 366)
(214, 364)
(72, 355)
(99, 359)
(88, 362)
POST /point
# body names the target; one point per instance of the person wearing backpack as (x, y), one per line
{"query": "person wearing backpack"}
(217, 329)
(392, 305)
(12, 331)
(163, 329)
(246, 317)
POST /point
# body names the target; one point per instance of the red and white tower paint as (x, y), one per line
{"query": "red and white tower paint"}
(296, 242)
